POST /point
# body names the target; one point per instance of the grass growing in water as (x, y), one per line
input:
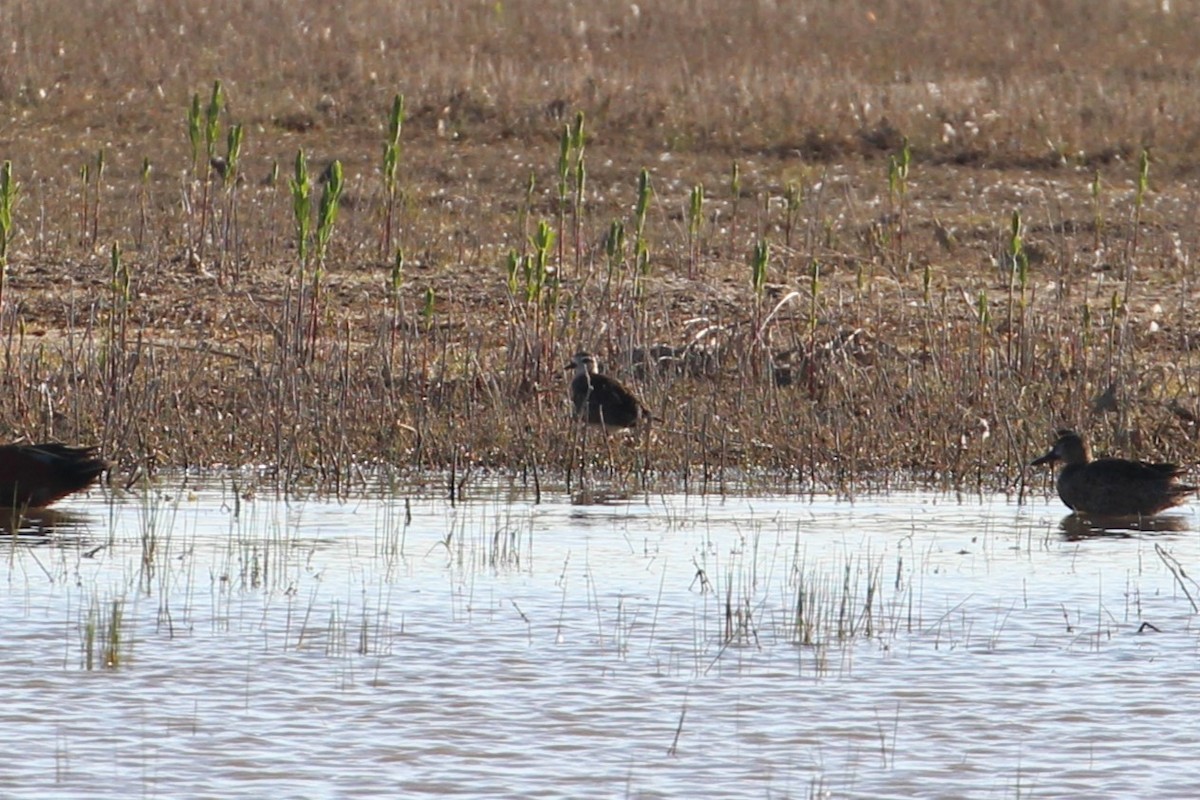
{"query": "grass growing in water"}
(104, 642)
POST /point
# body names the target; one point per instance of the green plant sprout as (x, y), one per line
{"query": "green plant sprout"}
(101, 163)
(143, 201)
(9, 189)
(1018, 280)
(1139, 201)
(327, 213)
(759, 258)
(898, 167)
(735, 200)
(695, 222)
(641, 249)
(194, 129)
(428, 308)
(793, 195)
(391, 163)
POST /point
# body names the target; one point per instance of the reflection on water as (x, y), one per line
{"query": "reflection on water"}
(40, 522)
(595, 497)
(1079, 526)
(648, 646)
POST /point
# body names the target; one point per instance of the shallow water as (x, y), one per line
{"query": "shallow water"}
(645, 647)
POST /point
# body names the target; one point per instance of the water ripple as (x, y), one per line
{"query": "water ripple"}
(740, 648)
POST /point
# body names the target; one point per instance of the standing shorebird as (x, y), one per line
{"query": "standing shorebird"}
(1112, 487)
(601, 400)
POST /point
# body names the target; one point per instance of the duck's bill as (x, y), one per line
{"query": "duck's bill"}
(1048, 458)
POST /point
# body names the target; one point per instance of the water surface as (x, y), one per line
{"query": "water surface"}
(910, 645)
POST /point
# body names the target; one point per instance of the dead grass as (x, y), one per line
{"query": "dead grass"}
(914, 355)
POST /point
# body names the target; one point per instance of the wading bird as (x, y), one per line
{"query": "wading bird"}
(36, 475)
(601, 400)
(1112, 487)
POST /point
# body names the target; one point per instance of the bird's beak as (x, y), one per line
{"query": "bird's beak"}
(1048, 458)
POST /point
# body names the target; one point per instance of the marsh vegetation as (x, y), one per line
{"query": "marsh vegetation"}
(832, 246)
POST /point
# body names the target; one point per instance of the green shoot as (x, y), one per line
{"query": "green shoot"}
(211, 129)
(1139, 200)
(85, 184)
(695, 221)
(327, 213)
(233, 152)
(331, 197)
(427, 308)
(643, 202)
(121, 279)
(793, 194)
(572, 176)
(898, 173)
(396, 279)
(526, 209)
(537, 269)
(212, 120)
(8, 198)
(195, 135)
(814, 287)
(983, 316)
(898, 166)
(391, 163)
(395, 284)
(579, 169)
(513, 268)
(1017, 255)
(1114, 313)
(564, 176)
(640, 247)
(121, 286)
(301, 188)
(1143, 183)
(758, 268)
(735, 199)
(100, 164)
(301, 207)
(564, 166)
(614, 248)
(143, 202)
(1018, 262)
(1086, 325)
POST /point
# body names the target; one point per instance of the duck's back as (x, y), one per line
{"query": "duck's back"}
(35, 476)
(1119, 487)
(603, 400)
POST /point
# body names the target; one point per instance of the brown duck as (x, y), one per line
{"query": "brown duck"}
(601, 400)
(36, 475)
(1112, 487)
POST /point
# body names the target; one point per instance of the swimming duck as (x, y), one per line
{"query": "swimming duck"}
(1112, 487)
(36, 475)
(601, 400)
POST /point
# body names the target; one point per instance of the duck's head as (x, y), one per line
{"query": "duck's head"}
(584, 364)
(1069, 448)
